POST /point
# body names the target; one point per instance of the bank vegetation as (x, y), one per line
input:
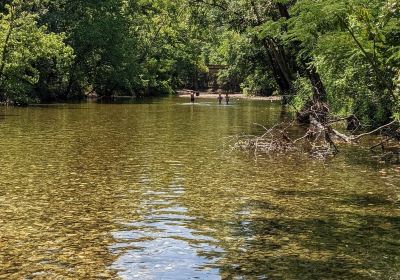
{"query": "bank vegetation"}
(342, 53)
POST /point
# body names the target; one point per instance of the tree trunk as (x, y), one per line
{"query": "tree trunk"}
(282, 73)
(318, 88)
(5, 52)
(283, 84)
(6, 42)
(283, 10)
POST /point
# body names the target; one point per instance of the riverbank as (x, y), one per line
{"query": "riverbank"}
(204, 94)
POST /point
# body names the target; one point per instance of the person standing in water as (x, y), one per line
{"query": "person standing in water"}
(227, 99)
(192, 97)
(219, 98)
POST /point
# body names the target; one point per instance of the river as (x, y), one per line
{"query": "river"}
(149, 190)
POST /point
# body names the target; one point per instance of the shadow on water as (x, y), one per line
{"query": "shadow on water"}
(350, 243)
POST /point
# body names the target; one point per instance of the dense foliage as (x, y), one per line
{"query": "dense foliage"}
(344, 52)
(31, 55)
(63, 49)
(355, 47)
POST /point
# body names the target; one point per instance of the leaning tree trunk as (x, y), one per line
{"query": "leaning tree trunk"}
(280, 67)
(5, 50)
(281, 78)
(318, 88)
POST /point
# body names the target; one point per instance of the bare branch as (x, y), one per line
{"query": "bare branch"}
(373, 131)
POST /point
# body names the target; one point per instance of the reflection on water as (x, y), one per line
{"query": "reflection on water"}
(146, 191)
(161, 244)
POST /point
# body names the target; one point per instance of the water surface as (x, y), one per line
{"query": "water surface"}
(148, 190)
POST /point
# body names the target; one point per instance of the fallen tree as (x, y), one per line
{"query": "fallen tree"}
(318, 137)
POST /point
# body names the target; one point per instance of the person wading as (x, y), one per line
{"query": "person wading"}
(219, 99)
(227, 99)
(192, 97)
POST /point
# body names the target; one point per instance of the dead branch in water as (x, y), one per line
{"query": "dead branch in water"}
(274, 140)
(375, 130)
(319, 139)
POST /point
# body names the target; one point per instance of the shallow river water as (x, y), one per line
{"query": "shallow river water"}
(148, 190)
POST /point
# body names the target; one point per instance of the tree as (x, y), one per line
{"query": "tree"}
(354, 45)
(24, 46)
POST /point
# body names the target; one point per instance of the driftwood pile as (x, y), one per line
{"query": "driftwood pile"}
(319, 138)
